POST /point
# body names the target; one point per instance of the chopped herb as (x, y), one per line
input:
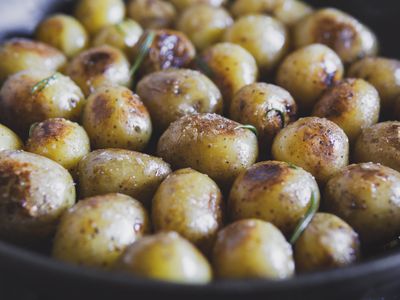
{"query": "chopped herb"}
(42, 84)
(249, 127)
(292, 166)
(144, 49)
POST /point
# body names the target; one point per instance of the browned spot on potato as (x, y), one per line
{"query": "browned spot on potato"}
(134, 103)
(100, 108)
(210, 124)
(49, 130)
(393, 135)
(97, 61)
(320, 137)
(265, 175)
(22, 44)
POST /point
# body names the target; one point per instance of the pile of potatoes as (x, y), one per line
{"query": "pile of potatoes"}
(192, 140)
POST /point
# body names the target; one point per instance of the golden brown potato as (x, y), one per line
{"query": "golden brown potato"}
(275, 192)
(99, 66)
(152, 13)
(121, 171)
(353, 104)
(183, 4)
(114, 117)
(20, 54)
(367, 196)
(97, 230)
(171, 94)
(252, 249)
(204, 24)
(34, 193)
(64, 33)
(317, 145)
(379, 143)
(328, 242)
(33, 96)
(210, 144)
(308, 72)
(263, 36)
(9, 140)
(166, 256)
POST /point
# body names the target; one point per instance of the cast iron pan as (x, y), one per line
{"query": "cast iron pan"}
(29, 275)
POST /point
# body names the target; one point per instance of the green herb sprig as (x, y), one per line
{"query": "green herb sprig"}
(42, 84)
(144, 49)
(249, 127)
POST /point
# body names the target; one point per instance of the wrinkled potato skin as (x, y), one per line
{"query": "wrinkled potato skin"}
(121, 171)
(210, 144)
(367, 196)
(20, 54)
(154, 14)
(353, 104)
(307, 72)
(171, 94)
(21, 105)
(114, 117)
(204, 24)
(34, 193)
(328, 242)
(183, 4)
(9, 140)
(350, 39)
(64, 33)
(252, 249)
(97, 230)
(61, 140)
(317, 145)
(379, 143)
(189, 203)
(168, 257)
(275, 192)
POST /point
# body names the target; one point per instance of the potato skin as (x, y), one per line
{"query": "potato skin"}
(328, 242)
(366, 196)
(307, 72)
(353, 104)
(317, 145)
(171, 94)
(168, 257)
(252, 249)
(9, 140)
(115, 170)
(210, 144)
(34, 193)
(275, 192)
(97, 230)
(152, 13)
(183, 4)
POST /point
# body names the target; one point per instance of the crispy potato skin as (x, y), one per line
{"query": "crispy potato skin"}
(154, 14)
(97, 230)
(183, 4)
(275, 192)
(9, 140)
(252, 249)
(328, 242)
(168, 257)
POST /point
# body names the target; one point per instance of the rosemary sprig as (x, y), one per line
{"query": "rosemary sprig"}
(292, 166)
(280, 113)
(203, 67)
(144, 48)
(42, 84)
(249, 127)
(121, 28)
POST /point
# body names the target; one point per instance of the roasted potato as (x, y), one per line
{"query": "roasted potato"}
(183, 4)
(34, 193)
(123, 171)
(366, 196)
(307, 72)
(171, 94)
(252, 249)
(353, 104)
(9, 140)
(317, 145)
(152, 13)
(97, 230)
(328, 242)
(211, 144)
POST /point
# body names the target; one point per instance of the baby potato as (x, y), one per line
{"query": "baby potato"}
(328, 242)
(210, 144)
(96, 14)
(20, 54)
(99, 66)
(64, 33)
(33, 96)
(171, 94)
(350, 39)
(307, 72)
(252, 249)
(114, 117)
(204, 24)
(367, 196)
(183, 4)
(379, 143)
(61, 140)
(317, 145)
(189, 203)
(168, 257)
(152, 13)
(353, 104)
(121, 171)
(34, 193)
(97, 230)
(264, 37)
(9, 140)
(275, 192)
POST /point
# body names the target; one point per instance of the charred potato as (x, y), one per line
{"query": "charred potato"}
(183, 4)
(9, 140)
(152, 13)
